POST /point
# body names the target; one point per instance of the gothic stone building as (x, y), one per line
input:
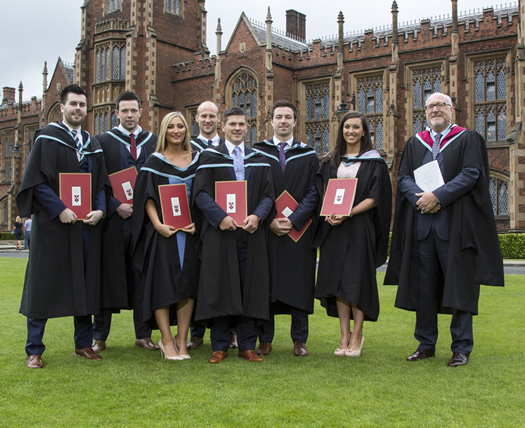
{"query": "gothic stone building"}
(158, 49)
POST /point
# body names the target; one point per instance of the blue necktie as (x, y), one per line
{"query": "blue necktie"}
(435, 146)
(238, 163)
(81, 156)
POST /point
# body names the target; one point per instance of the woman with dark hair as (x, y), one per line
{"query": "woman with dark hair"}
(353, 246)
(168, 263)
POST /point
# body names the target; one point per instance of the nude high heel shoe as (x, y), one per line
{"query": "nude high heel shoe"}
(166, 356)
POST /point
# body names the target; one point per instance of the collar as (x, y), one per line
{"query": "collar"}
(76, 131)
(443, 134)
(289, 142)
(126, 132)
(214, 141)
(231, 146)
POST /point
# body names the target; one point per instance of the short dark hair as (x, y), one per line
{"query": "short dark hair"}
(284, 103)
(234, 111)
(340, 142)
(74, 89)
(127, 96)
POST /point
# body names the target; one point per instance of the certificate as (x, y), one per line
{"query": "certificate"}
(123, 183)
(232, 197)
(339, 196)
(428, 177)
(175, 206)
(285, 205)
(75, 192)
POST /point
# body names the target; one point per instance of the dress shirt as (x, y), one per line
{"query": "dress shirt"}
(214, 141)
(276, 141)
(231, 146)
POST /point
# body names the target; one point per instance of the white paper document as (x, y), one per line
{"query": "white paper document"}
(175, 206)
(339, 196)
(128, 190)
(428, 177)
(287, 212)
(76, 196)
(231, 201)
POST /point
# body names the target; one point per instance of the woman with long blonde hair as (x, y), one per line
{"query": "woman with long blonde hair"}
(165, 256)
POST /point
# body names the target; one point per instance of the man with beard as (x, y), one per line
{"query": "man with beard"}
(63, 271)
(125, 146)
(444, 241)
(292, 264)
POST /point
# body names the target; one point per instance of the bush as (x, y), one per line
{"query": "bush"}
(512, 245)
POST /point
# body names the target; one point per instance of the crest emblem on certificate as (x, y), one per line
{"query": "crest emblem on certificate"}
(339, 196)
(76, 196)
(175, 205)
(230, 200)
(128, 190)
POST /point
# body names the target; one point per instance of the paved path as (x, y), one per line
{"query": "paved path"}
(512, 267)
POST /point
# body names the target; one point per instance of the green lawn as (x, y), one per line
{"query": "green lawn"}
(133, 387)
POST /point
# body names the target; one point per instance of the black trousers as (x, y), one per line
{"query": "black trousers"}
(433, 256)
(298, 328)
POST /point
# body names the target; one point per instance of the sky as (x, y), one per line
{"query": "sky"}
(50, 30)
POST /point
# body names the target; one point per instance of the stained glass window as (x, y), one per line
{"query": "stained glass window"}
(370, 103)
(244, 96)
(426, 81)
(317, 117)
(499, 196)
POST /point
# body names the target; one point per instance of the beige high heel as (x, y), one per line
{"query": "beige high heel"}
(341, 352)
(183, 356)
(166, 356)
(357, 353)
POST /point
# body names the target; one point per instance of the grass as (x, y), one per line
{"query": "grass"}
(132, 387)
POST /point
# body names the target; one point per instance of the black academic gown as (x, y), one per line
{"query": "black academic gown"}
(292, 264)
(57, 283)
(220, 285)
(351, 252)
(117, 289)
(474, 255)
(156, 257)
(200, 145)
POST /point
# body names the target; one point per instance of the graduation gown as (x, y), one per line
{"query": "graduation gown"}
(292, 264)
(57, 283)
(474, 255)
(351, 252)
(156, 257)
(200, 145)
(117, 289)
(220, 285)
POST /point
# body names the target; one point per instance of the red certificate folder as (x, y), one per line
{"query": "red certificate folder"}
(285, 205)
(339, 196)
(123, 183)
(75, 192)
(174, 205)
(232, 197)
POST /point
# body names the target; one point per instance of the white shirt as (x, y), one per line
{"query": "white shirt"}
(214, 141)
(136, 133)
(277, 142)
(231, 146)
(79, 134)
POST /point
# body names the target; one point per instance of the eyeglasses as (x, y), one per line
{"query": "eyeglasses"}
(440, 106)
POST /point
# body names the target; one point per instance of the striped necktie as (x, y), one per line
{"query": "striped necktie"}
(80, 148)
(436, 146)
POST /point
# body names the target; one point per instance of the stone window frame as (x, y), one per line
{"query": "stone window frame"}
(54, 115)
(471, 59)
(112, 6)
(8, 145)
(104, 59)
(191, 112)
(353, 83)
(500, 178)
(102, 113)
(410, 69)
(302, 112)
(170, 6)
(253, 120)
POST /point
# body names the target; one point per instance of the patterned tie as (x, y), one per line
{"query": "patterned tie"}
(80, 148)
(238, 163)
(282, 156)
(133, 148)
(435, 146)
(210, 143)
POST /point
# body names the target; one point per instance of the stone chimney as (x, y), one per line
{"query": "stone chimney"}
(9, 95)
(296, 24)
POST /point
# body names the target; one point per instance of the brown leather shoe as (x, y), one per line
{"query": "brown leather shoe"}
(87, 353)
(34, 362)
(98, 345)
(250, 355)
(264, 348)
(218, 356)
(421, 355)
(458, 359)
(299, 349)
(146, 343)
(195, 342)
(233, 341)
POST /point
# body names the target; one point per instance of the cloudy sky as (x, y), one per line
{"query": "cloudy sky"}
(52, 29)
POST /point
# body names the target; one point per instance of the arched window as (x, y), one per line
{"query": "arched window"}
(426, 81)
(244, 92)
(490, 105)
(110, 62)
